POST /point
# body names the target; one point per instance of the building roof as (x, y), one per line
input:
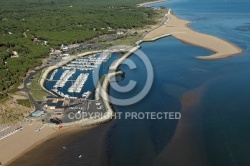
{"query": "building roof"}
(49, 101)
(58, 112)
(37, 113)
(35, 39)
(59, 104)
(51, 104)
(53, 97)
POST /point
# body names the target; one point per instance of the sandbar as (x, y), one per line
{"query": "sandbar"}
(187, 144)
(14, 145)
(179, 29)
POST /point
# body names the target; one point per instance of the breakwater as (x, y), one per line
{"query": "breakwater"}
(101, 92)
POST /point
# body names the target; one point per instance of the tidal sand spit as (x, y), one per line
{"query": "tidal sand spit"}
(179, 29)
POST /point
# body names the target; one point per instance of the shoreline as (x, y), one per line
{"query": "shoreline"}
(155, 34)
(23, 140)
(179, 29)
(152, 2)
(62, 148)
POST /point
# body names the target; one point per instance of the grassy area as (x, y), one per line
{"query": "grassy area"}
(160, 14)
(34, 83)
(36, 90)
(14, 109)
(24, 102)
(130, 40)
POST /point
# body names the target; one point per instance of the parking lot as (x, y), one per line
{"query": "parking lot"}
(79, 110)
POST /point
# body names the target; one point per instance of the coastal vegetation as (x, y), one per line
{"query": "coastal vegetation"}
(24, 102)
(36, 90)
(30, 28)
(15, 108)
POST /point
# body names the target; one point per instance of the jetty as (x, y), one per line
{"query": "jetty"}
(115, 65)
(79, 83)
(88, 63)
(64, 78)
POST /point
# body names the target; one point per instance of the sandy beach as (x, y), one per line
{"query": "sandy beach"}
(18, 144)
(152, 2)
(88, 142)
(23, 141)
(179, 29)
(14, 145)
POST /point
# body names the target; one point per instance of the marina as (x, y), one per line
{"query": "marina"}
(62, 94)
(53, 74)
(79, 83)
(86, 95)
(71, 80)
(88, 63)
(64, 78)
(213, 98)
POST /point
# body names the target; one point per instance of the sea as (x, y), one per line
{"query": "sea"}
(212, 96)
(219, 134)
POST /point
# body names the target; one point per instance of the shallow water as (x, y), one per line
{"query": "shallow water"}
(217, 113)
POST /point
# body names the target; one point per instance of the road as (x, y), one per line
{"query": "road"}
(28, 79)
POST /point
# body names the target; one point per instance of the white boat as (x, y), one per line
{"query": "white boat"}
(64, 78)
(86, 95)
(79, 83)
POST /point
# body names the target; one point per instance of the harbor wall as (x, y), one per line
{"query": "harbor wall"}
(86, 122)
(104, 88)
(114, 66)
(92, 121)
(155, 38)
